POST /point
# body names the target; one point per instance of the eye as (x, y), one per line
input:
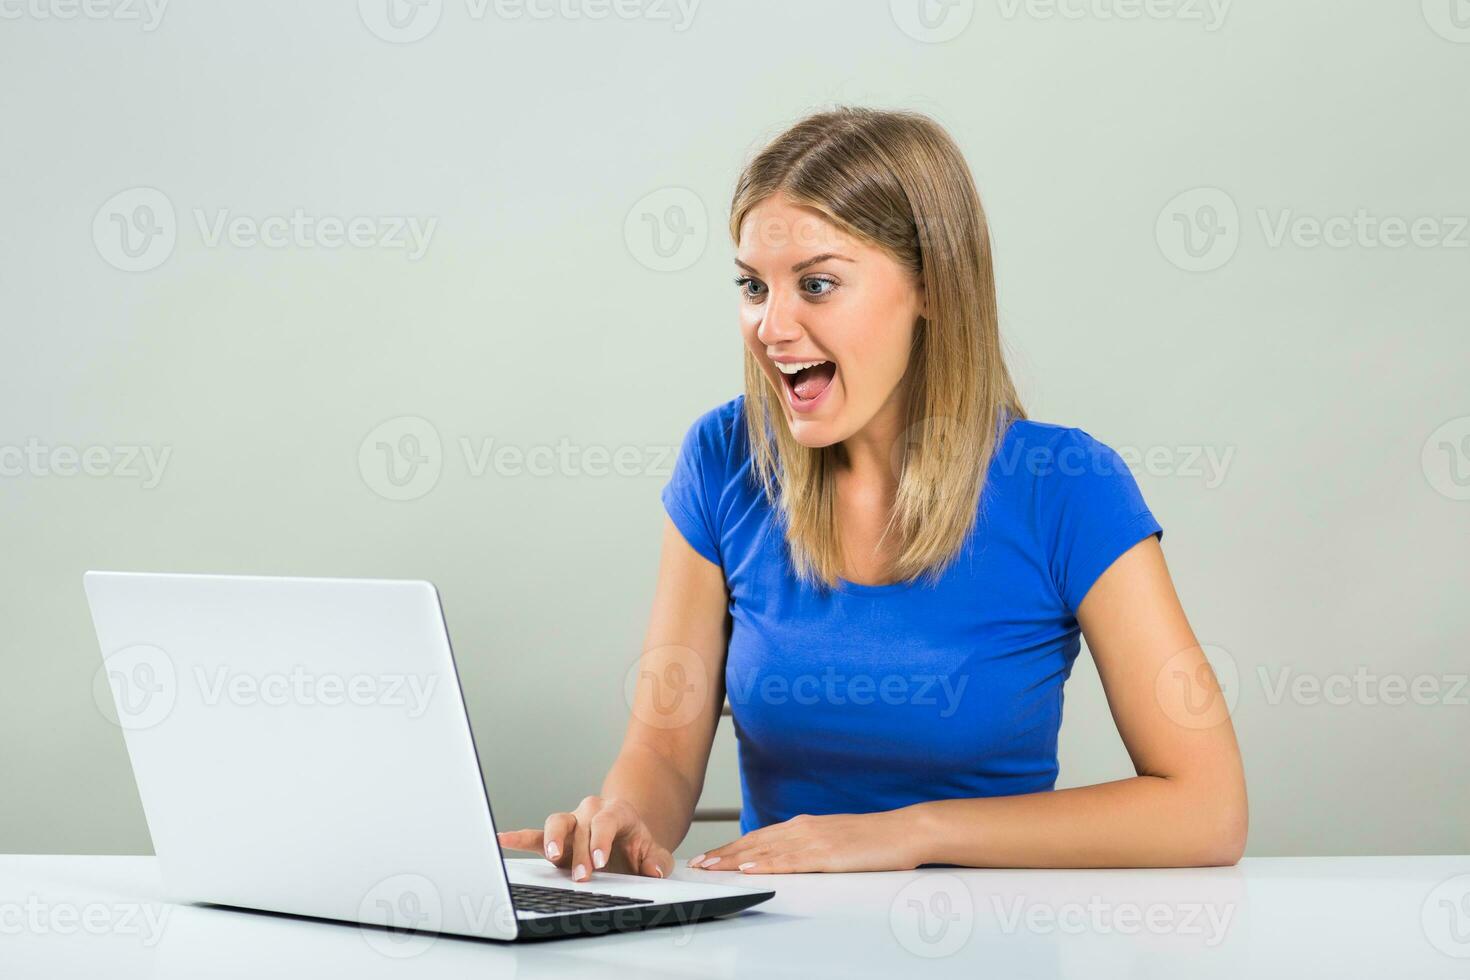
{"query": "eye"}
(816, 287)
(751, 289)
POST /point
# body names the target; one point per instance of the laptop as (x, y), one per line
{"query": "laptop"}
(301, 746)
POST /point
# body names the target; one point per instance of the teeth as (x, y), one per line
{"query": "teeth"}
(793, 368)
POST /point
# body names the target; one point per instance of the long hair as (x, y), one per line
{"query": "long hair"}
(897, 180)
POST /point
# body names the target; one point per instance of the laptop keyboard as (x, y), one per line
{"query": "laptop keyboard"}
(541, 898)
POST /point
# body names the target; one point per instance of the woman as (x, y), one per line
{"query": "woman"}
(885, 567)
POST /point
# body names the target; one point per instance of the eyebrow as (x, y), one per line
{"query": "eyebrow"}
(806, 264)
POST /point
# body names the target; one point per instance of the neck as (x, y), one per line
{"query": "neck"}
(868, 454)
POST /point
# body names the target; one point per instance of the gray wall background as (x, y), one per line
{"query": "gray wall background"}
(1137, 172)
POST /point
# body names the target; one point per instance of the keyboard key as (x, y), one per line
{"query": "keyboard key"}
(545, 899)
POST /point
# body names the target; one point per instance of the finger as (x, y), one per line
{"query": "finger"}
(789, 862)
(522, 840)
(581, 844)
(733, 858)
(657, 862)
(605, 828)
(769, 834)
(643, 854)
(764, 837)
(714, 853)
(558, 838)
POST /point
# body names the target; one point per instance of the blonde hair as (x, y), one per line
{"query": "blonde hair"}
(896, 180)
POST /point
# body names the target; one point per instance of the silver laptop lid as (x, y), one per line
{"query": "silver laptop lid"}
(301, 745)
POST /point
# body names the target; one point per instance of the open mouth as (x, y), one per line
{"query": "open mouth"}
(807, 382)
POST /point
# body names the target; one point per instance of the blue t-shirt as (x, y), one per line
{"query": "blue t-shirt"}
(866, 698)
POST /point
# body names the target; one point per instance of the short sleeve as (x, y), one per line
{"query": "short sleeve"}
(691, 494)
(1094, 513)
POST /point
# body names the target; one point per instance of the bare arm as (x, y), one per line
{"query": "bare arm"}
(681, 686)
(648, 797)
(1186, 806)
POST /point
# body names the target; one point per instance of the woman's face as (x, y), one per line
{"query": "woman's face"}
(811, 294)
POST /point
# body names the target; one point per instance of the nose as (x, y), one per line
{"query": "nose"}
(777, 326)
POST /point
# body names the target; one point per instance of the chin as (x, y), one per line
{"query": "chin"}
(814, 433)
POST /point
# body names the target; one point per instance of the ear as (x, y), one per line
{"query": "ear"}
(923, 300)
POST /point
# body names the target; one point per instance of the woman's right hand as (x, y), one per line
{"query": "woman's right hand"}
(600, 834)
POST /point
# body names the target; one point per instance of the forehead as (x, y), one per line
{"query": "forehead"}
(776, 228)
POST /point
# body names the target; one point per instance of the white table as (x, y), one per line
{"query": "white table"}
(1380, 917)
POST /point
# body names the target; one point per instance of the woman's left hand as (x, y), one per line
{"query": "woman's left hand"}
(840, 842)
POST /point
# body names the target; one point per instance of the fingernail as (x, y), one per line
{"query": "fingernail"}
(580, 873)
(694, 861)
(747, 866)
(658, 871)
(553, 850)
(598, 858)
(709, 861)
